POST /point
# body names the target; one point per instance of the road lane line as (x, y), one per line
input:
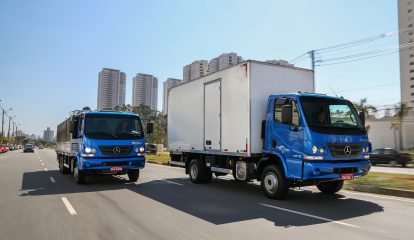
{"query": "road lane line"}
(52, 179)
(71, 210)
(179, 184)
(46, 169)
(43, 164)
(310, 215)
(37, 155)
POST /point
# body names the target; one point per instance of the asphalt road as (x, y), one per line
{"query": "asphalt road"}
(37, 202)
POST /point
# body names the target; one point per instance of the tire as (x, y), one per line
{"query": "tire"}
(330, 187)
(133, 175)
(393, 163)
(79, 176)
(196, 171)
(62, 168)
(273, 182)
(208, 175)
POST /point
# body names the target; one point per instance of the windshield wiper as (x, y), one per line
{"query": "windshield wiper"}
(133, 133)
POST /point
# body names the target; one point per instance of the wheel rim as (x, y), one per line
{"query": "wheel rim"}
(194, 171)
(270, 182)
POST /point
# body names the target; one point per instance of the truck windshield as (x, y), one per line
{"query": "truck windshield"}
(334, 116)
(113, 126)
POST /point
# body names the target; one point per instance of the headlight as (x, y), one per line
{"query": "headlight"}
(321, 150)
(314, 149)
(89, 150)
(141, 149)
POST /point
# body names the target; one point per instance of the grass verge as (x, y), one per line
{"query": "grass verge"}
(385, 180)
(160, 158)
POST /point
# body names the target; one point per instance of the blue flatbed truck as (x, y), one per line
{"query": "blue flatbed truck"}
(101, 143)
(262, 121)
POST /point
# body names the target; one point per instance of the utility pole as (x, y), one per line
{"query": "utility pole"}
(8, 132)
(312, 55)
(2, 127)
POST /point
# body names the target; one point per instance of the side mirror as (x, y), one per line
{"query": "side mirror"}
(150, 128)
(71, 126)
(287, 114)
(362, 117)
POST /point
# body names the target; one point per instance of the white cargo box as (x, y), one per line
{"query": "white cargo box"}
(222, 112)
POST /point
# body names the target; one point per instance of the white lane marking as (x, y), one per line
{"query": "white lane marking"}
(40, 160)
(131, 230)
(179, 184)
(71, 210)
(37, 155)
(52, 179)
(310, 215)
(43, 164)
(46, 169)
(379, 196)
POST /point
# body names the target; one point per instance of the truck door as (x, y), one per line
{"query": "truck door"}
(287, 139)
(212, 116)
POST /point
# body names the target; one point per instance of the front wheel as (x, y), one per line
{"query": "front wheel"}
(79, 176)
(330, 187)
(274, 184)
(133, 175)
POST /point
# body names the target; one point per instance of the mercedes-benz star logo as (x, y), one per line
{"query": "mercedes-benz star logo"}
(116, 150)
(347, 150)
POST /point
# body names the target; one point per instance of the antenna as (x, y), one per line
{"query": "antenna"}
(333, 91)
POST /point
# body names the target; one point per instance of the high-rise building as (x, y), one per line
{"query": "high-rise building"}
(48, 135)
(145, 90)
(406, 38)
(195, 70)
(187, 73)
(225, 60)
(111, 88)
(167, 85)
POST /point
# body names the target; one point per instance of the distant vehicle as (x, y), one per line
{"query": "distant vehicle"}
(41, 147)
(389, 156)
(11, 147)
(19, 146)
(262, 121)
(101, 143)
(28, 148)
(3, 148)
(150, 148)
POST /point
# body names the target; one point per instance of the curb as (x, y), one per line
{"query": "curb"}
(378, 190)
(154, 162)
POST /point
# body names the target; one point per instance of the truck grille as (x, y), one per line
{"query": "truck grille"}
(115, 150)
(344, 150)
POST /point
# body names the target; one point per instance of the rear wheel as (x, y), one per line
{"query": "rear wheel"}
(274, 184)
(62, 168)
(330, 187)
(198, 173)
(133, 175)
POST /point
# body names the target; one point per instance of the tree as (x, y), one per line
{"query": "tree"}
(362, 106)
(400, 112)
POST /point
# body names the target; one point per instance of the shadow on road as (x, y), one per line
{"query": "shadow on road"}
(220, 202)
(226, 201)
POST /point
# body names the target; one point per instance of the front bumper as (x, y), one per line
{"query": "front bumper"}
(103, 165)
(332, 170)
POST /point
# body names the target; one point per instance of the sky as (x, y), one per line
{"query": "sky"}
(52, 51)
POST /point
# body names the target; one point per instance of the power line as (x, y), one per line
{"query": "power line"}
(364, 88)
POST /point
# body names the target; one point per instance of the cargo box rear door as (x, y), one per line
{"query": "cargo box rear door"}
(212, 116)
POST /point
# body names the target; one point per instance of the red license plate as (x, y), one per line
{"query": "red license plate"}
(115, 169)
(347, 176)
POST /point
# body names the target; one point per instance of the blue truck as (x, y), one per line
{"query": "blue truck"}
(101, 143)
(263, 121)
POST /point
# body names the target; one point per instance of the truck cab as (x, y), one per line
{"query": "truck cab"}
(101, 143)
(319, 139)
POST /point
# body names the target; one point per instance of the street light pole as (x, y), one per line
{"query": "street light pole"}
(8, 132)
(2, 126)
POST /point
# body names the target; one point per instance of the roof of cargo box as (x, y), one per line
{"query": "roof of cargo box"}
(246, 61)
